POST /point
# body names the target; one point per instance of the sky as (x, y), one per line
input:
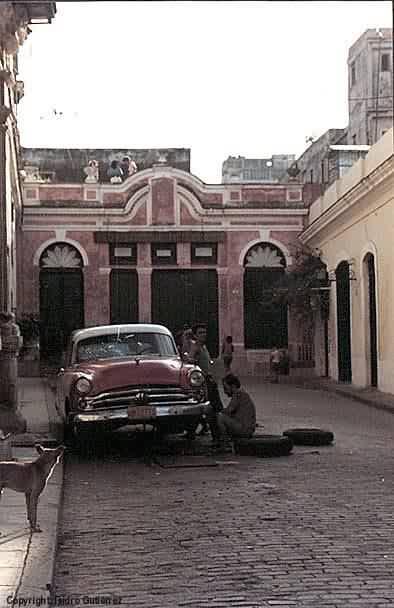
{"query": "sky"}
(221, 78)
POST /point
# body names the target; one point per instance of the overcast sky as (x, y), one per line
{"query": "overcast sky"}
(222, 78)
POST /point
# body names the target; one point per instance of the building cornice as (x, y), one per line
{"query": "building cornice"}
(349, 199)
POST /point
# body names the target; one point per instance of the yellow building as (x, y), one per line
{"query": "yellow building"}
(352, 225)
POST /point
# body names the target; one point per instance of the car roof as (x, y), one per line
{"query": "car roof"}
(104, 330)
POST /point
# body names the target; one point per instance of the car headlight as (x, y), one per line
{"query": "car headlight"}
(196, 378)
(83, 386)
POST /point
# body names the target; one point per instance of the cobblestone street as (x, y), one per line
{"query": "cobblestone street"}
(310, 530)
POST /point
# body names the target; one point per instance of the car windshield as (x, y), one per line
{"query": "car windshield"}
(111, 346)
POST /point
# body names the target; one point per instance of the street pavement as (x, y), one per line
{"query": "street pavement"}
(312, 530)
(309, 530)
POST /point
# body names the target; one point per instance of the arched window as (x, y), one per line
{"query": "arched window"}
(265, 321)
(61, 255)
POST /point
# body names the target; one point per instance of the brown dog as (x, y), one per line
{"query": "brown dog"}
(30, 478)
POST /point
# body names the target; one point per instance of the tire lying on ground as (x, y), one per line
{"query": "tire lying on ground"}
(309, 436)
(264, 446)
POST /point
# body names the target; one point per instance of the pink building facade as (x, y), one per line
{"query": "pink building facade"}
(161, 246)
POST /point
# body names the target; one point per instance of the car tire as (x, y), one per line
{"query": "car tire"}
(264, 446)
(310, 436)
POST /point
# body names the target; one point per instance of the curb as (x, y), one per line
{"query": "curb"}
(379, 405)
(307, 384)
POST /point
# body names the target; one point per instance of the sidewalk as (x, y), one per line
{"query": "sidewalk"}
(369, 396)
(27, 560)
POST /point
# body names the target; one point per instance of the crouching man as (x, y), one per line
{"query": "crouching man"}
(238, 419)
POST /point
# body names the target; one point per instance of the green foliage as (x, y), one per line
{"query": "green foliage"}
(300, 282)
(29, 326)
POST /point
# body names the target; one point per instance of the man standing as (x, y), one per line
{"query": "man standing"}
(238, 419)
(275, 363)
(199, 355)
(227, 353)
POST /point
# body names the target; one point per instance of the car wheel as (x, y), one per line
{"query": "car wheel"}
(264, 446)
(309, 436)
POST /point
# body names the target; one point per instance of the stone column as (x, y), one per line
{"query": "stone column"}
(144, 295)
(11, 420)
(223, 304)
(235, 317)
(97, 296)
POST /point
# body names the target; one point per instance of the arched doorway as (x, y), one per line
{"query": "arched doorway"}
(369, 265)
(265, 322)
(342, 275)
(61, 298)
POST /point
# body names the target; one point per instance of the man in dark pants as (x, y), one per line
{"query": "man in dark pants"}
(238, 419)
(199, 355)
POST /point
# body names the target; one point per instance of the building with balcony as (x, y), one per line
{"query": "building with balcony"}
(352, 226)
(244, 170)
(370, 86)
(370, 113)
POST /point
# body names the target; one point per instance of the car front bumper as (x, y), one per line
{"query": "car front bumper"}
(160, 415)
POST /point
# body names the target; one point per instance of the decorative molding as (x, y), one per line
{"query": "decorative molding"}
(60, 234)
(264, 234)
(264, 257)
(54, 241)
(60, 256)
(278, 244)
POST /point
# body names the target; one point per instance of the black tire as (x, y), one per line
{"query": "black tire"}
(264, 446)
(310, 436)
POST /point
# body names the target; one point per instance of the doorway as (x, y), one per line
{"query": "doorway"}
(342, 275)
(369, 261)
(182, 297)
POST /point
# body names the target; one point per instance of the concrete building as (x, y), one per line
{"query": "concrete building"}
(243, 170)
(160, 246)
(352, 225)
(15, 18)
(370, 87)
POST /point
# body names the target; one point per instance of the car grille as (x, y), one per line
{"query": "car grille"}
(155, 395)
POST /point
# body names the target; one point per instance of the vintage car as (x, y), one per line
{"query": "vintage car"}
(118, 375)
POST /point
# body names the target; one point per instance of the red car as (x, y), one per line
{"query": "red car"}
(118, 375)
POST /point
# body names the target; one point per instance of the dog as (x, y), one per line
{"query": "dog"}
(30, 478)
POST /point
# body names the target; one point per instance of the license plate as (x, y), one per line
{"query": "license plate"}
(141, 412)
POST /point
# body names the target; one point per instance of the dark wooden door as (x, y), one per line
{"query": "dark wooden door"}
(124, 296)
(187, 296)
(343, 323)
(372, 319)
(61, 309)
(265, 322)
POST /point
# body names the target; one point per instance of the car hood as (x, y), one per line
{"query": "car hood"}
(107, 375)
